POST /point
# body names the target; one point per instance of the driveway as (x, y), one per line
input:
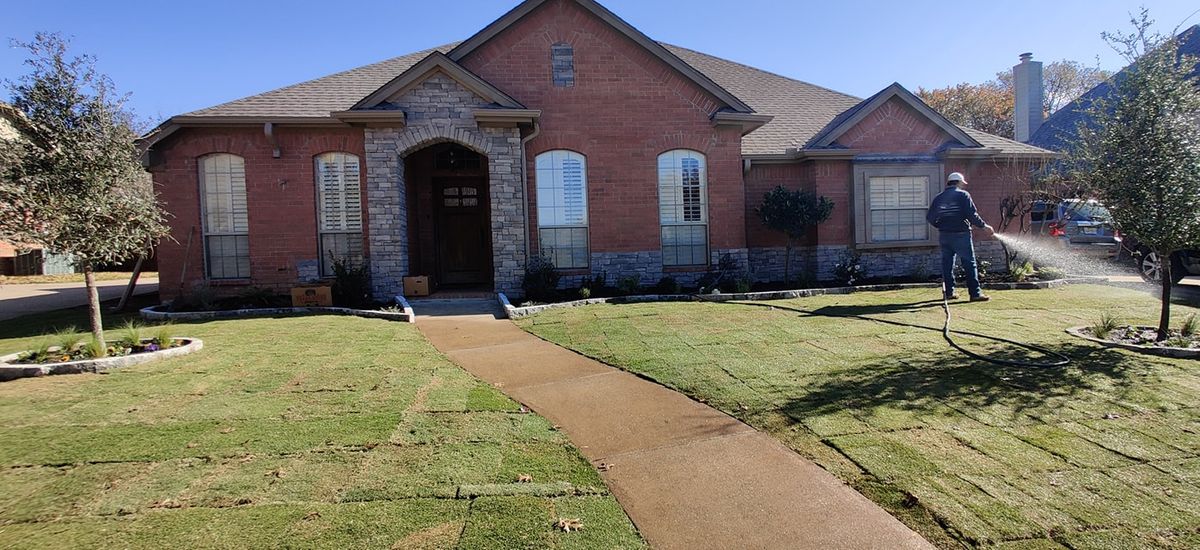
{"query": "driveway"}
(18, 300)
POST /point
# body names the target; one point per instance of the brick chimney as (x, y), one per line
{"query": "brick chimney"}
(1027, 87)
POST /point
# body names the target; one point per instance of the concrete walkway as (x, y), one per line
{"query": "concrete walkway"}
(18, 300)
(688, 475)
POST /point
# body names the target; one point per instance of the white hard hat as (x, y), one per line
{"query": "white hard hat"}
(956, 177)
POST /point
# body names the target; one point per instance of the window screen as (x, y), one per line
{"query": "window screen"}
(225, 217)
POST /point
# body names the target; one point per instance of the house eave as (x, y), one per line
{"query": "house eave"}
(506, 117)
(391, 118)
(747, 122)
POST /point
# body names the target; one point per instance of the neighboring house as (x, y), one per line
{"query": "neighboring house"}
(1061, 129)
(561, 130)
(25, 260)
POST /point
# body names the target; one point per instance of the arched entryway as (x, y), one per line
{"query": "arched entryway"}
(449, 214)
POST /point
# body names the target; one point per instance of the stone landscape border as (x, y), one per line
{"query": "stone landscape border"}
(513, 312)
(1174, 353)
(154, 313)
(10, 371)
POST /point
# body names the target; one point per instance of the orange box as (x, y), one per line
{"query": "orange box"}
(416, 286)
(312, 296)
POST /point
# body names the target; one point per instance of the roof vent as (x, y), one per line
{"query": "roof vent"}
(1026, 57)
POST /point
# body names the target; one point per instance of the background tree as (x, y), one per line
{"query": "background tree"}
(1142, 151)
(74, 184)
(986, 107)
(793, 213)
(989, 107)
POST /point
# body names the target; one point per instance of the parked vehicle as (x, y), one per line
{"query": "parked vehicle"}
(1185, 263)
(1083, 226)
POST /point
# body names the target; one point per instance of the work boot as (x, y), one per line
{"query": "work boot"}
(981, 298)
(951, 297)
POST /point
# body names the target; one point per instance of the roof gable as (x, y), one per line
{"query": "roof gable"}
(436, 62)
(656, 49)
(856, 114)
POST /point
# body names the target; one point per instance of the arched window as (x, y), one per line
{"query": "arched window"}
(339, 210)
(683, 207)
(562, 208)
(225, 217)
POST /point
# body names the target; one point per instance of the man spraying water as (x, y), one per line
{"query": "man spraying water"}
(953, 213)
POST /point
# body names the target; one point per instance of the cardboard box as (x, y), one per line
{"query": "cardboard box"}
(416, 286)
(312, 296)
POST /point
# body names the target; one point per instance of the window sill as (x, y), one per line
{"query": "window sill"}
(685, 268)
(229, 282)
(574, 271)
(897, 244)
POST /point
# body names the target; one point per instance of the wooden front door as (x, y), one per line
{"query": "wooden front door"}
(464, 243)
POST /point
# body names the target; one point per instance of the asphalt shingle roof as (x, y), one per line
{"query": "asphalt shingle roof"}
(800, 109)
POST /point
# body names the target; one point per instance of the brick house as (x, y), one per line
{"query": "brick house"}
(561, 130)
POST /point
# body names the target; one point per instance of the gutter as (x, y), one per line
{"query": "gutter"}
(537, 130)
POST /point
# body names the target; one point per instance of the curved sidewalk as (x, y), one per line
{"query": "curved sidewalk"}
(688, 475)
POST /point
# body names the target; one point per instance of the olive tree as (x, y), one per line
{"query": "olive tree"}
(1141, 150)
(793, 213)
(72, 181)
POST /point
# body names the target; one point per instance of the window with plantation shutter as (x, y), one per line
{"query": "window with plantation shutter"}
(562, 208)
(683, 208)
(898, 206)
(224, 217)
(339, 211)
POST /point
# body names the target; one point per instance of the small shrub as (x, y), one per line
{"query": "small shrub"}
(164, 336)
(1105, 325)
(68, 339)
(1051, 273)
(598, 281)
(351, 285)
(258, 297)
(849, 270)
(629, 285)
(1191, 326)
(93, 349)
(585, 293)
(541, 280)
(131, 333)
(200, 297)
(668, 285)
(1178, 342)
(1021, 272)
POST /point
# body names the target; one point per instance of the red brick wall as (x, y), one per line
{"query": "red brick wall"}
(626, 108)
(762, 179)
(280, 194)
(895, 127)
(990, 181)
(833, 180)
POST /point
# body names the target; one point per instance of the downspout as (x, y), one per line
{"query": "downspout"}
(537, 130)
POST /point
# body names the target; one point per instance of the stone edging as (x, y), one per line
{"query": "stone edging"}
(14, 371)
(1176, 353)
(517, 312)
(152, 313)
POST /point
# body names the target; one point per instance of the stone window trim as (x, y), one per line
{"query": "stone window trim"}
(562, 65)
(558, 219)
(224, 217)
(339, 219)
(861, 212)
(682, 176)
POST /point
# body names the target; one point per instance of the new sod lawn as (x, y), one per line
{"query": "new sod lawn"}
(330, 432)
(1102, 454)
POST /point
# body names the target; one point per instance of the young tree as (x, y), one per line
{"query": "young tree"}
(73, 182)
(1141, 151)
(793, 213)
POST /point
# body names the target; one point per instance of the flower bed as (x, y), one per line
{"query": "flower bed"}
(29, 363)
(401, 312)
(1144, 340)
(514, 312)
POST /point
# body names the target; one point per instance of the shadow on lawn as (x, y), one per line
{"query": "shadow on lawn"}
(916, 382)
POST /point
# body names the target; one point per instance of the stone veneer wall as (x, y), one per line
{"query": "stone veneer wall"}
(440, 110)
(766, 264)
(648, 266)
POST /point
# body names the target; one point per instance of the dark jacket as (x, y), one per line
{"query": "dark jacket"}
(953, 211)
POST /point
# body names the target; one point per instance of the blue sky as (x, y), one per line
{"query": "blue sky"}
(178, 56)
